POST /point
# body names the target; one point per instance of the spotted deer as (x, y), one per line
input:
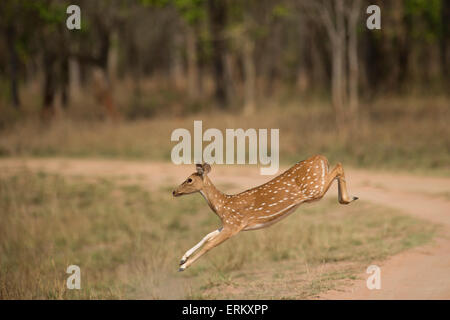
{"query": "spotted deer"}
(261, 206)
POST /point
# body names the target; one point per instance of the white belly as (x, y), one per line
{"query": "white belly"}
(269, 223)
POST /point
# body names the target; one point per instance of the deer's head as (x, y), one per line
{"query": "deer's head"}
(194, 182)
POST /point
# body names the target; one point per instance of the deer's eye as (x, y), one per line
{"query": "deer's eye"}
(189, 180)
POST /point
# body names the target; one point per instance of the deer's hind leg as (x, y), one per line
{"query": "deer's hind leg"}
(338, 173)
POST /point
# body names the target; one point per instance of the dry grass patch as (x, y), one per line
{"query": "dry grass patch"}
(407, 133)
(128, 243)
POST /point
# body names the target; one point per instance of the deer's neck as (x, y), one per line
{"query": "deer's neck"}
(215, 198)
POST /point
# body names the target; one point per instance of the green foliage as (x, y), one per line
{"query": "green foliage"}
(155, 3)
(428, 11)
(280, 11)
(191, 10)
(50, 13)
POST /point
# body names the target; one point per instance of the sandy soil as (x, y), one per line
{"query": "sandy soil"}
(420, 273)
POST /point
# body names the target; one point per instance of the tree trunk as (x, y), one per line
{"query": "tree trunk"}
(192, 63)
(48, 107)
(65, 82)
(271, 73)
(105, 43)
(176, 61)
(445, 40)
(404, 51)
(338, 67)
(353, 58)
(106, 73)
(74, 76)
(250, 76)
(13, 65)
(230, 77)
(217, 16)
(112, 59)
(337, 84)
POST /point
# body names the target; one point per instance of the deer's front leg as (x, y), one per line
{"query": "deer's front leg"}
(218, 239)
(198, 245)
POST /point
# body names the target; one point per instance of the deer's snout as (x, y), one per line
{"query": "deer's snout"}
(175, 193)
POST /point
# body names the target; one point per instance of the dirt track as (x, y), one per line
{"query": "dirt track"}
(420, 273)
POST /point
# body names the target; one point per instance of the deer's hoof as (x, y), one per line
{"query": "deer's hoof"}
(181, 269)
(342, 201)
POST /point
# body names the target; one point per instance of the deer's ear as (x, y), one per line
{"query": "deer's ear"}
(199, 168)
(206, 168)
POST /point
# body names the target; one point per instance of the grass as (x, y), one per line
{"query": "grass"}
(410, 134)
(128, 243)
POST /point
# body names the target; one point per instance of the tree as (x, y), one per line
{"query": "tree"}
(193, 13)
(353, 13)
(17, 21)
(217, 11)
(340, 18)
(445, 39)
